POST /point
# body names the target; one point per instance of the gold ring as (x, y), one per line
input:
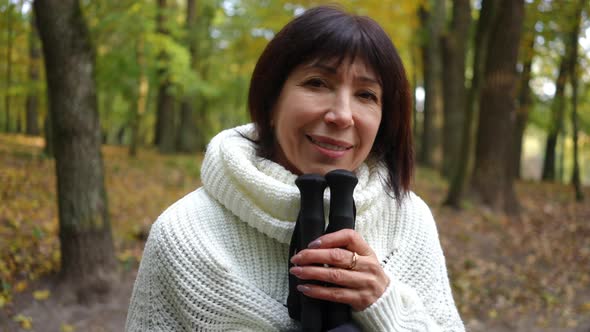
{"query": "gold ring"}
(355, 258)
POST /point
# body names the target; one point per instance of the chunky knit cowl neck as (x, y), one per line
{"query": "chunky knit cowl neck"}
(263, 193)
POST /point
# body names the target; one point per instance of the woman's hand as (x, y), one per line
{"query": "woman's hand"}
(359, 286)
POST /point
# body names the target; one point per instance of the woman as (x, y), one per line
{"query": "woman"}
(328, 92)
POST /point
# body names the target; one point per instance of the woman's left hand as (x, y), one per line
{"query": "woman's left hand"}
(359, 286)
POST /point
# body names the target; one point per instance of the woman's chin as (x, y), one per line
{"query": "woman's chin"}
(322, 169)
(311, 166)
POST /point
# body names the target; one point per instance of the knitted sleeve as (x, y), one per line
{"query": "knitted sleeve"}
(419, 296)
(181, 286)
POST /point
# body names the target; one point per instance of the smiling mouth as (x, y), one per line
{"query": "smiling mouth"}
(329, 146)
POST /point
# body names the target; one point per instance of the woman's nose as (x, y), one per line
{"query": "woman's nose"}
(340, 113)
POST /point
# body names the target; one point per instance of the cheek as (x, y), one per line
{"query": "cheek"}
(369, 136)
(370, 127)
(287, 132)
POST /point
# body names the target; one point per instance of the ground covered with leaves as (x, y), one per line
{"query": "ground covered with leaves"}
(139, 189)
(517, 273)
(526, 273)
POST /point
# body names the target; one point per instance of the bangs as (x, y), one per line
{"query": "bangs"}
(342, 38)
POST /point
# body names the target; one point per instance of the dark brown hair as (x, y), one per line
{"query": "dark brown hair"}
(325, 33)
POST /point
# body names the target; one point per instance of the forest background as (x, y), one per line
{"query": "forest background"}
(501, 125)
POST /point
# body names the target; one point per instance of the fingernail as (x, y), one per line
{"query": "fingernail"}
(295, 259)
(315, 244)
(295, 270)
(303, 288)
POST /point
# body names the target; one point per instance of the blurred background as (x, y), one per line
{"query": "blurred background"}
(119, 98)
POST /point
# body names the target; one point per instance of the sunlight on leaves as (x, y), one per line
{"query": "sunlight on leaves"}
(41, 295)
(67, 328)
(20, 286)
(25, 322)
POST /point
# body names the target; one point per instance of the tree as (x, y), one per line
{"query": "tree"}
(524, 98)
(141, 98)
(454, 47)
(463, 170)
(492, 181)
(32, 103)
(527, 54)
(187, 137)
(573, 41)
(557, 119)
(165, 114)
(9, 47)
(49, 147)
(87, 258)
(432, 66)
(570, 27)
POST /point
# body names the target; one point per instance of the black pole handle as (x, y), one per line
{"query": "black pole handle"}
(342, 216)
(311, 226)
(342, 209)
(316, 315)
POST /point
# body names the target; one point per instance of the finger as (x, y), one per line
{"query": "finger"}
(334, 257)
(341, 277)
(345, 238)
(357, 300)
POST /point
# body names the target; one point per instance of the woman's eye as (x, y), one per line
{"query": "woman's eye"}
(368, 96)
(316, 83)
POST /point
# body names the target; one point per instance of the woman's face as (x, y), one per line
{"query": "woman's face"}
(327, 116)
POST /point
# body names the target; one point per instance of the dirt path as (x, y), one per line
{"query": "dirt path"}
(50, 315)
(110, 315)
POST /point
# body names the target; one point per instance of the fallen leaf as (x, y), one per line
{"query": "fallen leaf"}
(25, 322)
(493, 313)
(20, 286)
(41, 295)
(67, 328)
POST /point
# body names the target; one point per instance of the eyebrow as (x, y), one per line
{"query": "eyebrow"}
(334, 70)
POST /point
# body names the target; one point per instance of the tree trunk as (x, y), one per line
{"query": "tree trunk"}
(87, 258)
(463, 170)
(576, 182)
(522, 112)
(165, 121)
(454, 46)
(188, 138)
(19, 119)
(9, 44)
(557, 118)
(573, 41)
(120, 134)
(433, 103)
(32, 103)
(49, 148)
(166, 105)
(492, 180)
(560, 154)
(558, 106)
(141, 100)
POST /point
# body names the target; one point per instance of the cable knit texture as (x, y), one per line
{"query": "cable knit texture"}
(216, 260)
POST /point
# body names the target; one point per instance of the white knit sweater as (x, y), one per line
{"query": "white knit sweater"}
(217, 259)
